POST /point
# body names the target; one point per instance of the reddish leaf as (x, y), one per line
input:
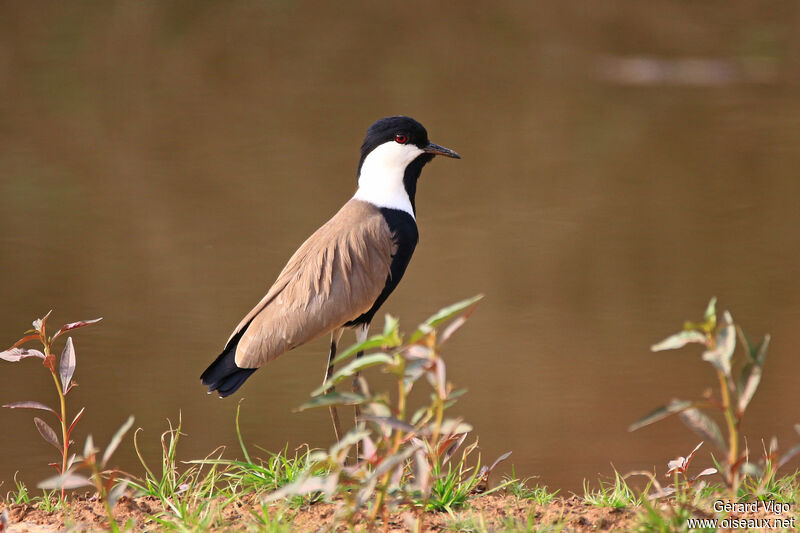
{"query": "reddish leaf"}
(75, 325)
(25, 339)
(449, 446)
(47, 432)
(67, 365)
(16, 354)
(30, 405)
(75, 420)
(691, 455)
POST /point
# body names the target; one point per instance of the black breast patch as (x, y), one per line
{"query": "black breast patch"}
(404, 229)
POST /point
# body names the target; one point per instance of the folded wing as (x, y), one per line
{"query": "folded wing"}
(334, 277)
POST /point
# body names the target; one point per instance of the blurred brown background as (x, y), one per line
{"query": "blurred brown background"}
(622, 162)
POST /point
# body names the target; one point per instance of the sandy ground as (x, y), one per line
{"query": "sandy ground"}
(89, 515)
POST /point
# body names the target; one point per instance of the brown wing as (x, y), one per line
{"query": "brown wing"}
(334, 277)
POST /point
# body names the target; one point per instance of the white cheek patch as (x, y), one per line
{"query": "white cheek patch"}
(381, 180)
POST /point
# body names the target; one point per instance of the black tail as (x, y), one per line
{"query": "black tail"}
(223, 375)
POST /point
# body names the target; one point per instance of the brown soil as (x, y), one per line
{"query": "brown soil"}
(88, 514)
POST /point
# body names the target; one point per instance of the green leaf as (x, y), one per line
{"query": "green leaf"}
(391, 330)
(441, 316)
(352, 368)
(333, 398)
(711, 309)
(378, 341)
(679, 340)
(754, 376)
(704, 426)
(675, 406)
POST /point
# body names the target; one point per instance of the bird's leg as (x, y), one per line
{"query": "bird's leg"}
(362, 330)
(337, 427)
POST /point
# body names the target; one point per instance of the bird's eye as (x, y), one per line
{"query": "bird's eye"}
(400, 138)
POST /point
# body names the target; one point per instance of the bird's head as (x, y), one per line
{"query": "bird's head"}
(394, 151)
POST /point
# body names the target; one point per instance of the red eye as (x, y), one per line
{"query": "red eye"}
(402, 139)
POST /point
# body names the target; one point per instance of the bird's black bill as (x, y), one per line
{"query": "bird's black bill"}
(440, 150)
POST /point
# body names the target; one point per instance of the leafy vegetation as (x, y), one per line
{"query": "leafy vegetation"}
(62, 380)
(413, 465)
(406, 458)
(102, 480)
(736, 390)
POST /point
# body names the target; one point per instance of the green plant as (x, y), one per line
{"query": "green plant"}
(762, 481)
(664, 519)
(614, 494)
(263, 475)
(20, 495)
(270, 522)
(405, 457)
(529, 525)
(467, 524)
(736, 389)
(187, 495)
(520, 488)
(62, 379)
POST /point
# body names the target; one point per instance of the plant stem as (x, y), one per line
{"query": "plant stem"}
(62, 401)
(398, 438)
(733, 432)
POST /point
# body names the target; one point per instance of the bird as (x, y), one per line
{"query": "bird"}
(342, 274)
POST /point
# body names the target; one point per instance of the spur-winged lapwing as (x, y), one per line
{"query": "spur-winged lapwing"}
(341, 275)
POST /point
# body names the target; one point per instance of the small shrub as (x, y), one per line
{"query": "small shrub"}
(67, 478)
(62, 379)
(736, 388)
(406, 459)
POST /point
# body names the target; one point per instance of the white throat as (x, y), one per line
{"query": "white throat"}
(381, 179)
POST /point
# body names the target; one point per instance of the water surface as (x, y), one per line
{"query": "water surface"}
(622, 163)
